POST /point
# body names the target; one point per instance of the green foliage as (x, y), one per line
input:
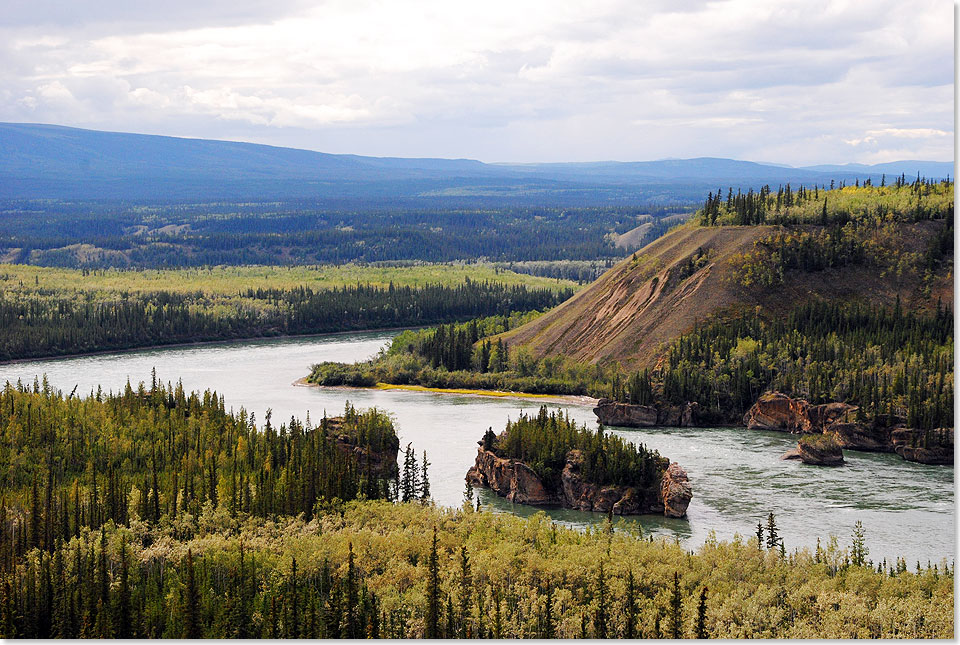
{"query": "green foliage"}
(543, 441)
(820, 441)
(887, 361)
(375, 569)
(35, 321)
(152, 454)
(902, 201)
(470, 356)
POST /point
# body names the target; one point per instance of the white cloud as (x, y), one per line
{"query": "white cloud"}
(797, 81)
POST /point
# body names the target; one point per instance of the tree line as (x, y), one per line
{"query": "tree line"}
(40, 322)
(836, 205)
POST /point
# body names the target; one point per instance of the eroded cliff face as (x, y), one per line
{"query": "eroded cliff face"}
(517, 482)
(777, 411)
(509, 478)
(612, 413)
(675, 491)
(934, 447)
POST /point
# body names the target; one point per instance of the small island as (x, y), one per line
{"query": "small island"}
(550, 460)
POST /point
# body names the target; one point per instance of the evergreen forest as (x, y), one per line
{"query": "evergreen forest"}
(38, 321)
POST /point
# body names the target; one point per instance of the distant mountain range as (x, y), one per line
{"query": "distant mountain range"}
(56, 162)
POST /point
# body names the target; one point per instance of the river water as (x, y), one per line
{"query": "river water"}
(907, 509)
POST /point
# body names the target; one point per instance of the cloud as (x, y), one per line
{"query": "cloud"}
(797, 81)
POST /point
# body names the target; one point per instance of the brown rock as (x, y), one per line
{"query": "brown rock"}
(934, 447)
(509, 478)
(675, 491)
(611, 413)
(517, 482)
(820, 450)
(690, 412)
(857, 436)
(382, 461)
(821, 416)
(793, 453)
(777, 411)
(671, 416)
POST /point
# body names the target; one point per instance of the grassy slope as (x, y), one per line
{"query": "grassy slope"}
(227, 281)
(639, 305)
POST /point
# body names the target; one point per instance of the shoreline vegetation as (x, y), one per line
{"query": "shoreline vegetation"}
(558, 398)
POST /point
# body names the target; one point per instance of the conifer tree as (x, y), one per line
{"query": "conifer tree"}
(702, 615)
(123, 628)
(600, 616)
(676, 616)
(433, 589)
(630, 607)
(191, 602)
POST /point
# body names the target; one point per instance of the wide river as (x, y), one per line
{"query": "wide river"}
(737, 475)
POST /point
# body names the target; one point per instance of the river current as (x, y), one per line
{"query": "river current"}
(737, 475)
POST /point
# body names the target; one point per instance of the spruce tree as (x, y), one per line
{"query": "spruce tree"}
(424, 480)
(600, 616)
(465, 594)
(433, 590)
(676, 604)
(191, 602)
(630, 607)
(123, 622)
(702, 615)
(773, 538)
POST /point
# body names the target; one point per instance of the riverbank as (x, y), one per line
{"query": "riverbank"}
(200, 343)
(547, 398)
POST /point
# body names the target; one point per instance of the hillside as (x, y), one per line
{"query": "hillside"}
(696, 272)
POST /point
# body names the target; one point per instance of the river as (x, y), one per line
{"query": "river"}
(907, 509)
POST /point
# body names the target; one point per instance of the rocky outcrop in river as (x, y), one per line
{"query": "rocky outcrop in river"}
(675, 491)
(777, 411)
(822, 450)
(518, 482)
(626, 415)
(509, 478)
(934, 447)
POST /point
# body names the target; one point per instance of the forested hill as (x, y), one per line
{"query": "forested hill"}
(54, 162)
(772, 249)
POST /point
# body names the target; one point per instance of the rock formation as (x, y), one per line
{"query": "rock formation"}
(777, 411)
(382, 462)
(509, 478)
(626, 415)
(675, 491)
(518, 482)
(934, 447)
(821, 450)
(612, 413)
(859, 436)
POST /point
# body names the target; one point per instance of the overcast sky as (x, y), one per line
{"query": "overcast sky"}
(788, 81)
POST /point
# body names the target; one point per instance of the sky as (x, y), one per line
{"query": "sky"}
(788, 81)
